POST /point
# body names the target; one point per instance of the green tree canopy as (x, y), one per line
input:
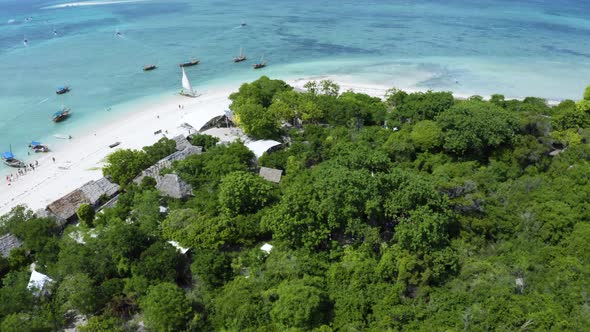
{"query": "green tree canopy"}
(476, 127)
(243, 192)
(166, 308)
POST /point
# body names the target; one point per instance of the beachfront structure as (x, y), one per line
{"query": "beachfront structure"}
(64, 209)
(181, 142)
(172, 185)
(154, 171)
(261, 146)
(220, 121)
(7, 243)
(271, 174)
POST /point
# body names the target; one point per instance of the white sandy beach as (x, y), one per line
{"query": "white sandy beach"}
(80, 160)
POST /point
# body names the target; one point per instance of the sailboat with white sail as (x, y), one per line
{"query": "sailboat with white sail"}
(187, 88)
(240, 57)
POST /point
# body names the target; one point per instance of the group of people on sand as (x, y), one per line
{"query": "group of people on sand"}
(21, 172)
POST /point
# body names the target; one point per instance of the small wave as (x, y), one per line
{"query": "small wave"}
(91, 3)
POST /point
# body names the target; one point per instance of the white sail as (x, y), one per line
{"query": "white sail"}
(186, 84)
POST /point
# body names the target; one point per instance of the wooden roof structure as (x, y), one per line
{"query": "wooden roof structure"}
(7, 243)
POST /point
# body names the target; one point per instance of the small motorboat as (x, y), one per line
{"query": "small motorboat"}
(243, 24)
(9, 160)
(62, 136)
(62, 89)
(61, 115)
(38, 147)
(193, 62)
(114, 144)
(149, 67)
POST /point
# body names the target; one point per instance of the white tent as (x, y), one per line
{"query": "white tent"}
(38, 280)
(261, 146)
(178, 247)
(266, 248)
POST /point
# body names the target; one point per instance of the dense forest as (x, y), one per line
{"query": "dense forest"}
(415, 212)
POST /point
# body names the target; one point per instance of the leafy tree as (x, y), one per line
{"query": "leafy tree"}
(426, 135)
(146, 211)
(124, 165)
(77, 292)
(85, 214)
(239, 306)
(196, 230)
(203, 140)
(476, 127)
(162, 148)
(210, 167)
(159, 262)
(419, 105)
(301, 304)
(102, 324)
(166, 308)
(242, 192)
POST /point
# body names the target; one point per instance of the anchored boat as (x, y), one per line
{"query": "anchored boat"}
(61, 115)
(187, 88)
(9, 160)
(38, 147)
(149, 67)
(62, 89)
(240, 57)
(261, 64)
(193, 62)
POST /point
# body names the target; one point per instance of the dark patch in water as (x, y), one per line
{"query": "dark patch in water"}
(565, 51)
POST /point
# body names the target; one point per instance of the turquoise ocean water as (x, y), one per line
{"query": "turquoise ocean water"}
(517, 48)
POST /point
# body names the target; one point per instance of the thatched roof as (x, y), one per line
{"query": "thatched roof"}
(95, 189)
(271, 174)
(154, 171)
(7, 243)
(90, 193)
(172, 185)
(65, 207)
(220, 121)
(181, 142)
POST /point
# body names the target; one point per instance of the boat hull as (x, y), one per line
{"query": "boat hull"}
(149, 68)
(190, 64)
(240, 59)
(62, 91)
(13, 163)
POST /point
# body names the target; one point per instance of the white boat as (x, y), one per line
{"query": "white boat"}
(187, 88)
(61, 136)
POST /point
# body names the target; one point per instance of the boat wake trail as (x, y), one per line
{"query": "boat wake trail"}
(91, 3)
(42, 101)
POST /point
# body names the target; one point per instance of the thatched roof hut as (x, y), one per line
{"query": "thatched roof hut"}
(7, 243)
(95, 189)
(65, 208)
(90, 193)
(220, 121)
(172, 185)
(181, 142)
(271, 174)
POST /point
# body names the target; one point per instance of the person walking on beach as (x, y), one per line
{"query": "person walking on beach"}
(53, 158)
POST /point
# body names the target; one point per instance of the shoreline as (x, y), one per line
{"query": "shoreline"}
(80, 159)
